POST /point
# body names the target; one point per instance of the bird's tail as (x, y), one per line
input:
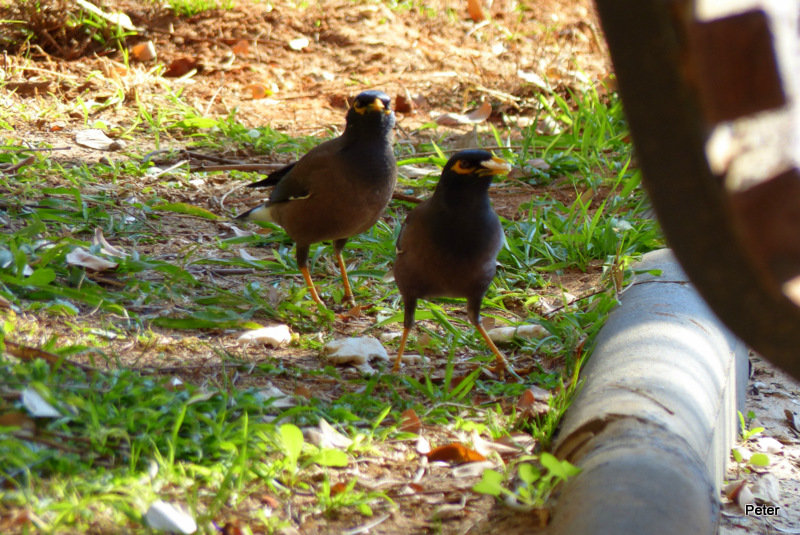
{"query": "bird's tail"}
(262, 212)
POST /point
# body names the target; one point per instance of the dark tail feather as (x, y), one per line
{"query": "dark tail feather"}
(273, 178)
(243, 216)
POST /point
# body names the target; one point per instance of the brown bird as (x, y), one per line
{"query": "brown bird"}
(338, 189)
(449, 243)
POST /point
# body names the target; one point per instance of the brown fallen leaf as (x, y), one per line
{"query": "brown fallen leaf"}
(352, 313)
(454, 453)
(732, 489)
(257, 91)
(270, 501)
(338, 488)
(530, 407)
(180, 67)
(17, 419)
(241, 48)
(303, 391)
(475, 10)
(793, 419)
(232, 527)
(144, 51)
(28, 353)
(402, 104)
(410, 422)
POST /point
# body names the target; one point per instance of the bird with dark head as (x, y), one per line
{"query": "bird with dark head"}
(449, 243)
(336, 190)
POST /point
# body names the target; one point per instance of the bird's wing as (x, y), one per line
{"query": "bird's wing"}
(414, 224)
(273, 178)
(299, 181)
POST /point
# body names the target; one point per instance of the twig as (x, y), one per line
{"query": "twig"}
(238, 167)
(31, 353)
(34, 149)
(209, 157)
(403, 197)
(170, 168)
(15, 167)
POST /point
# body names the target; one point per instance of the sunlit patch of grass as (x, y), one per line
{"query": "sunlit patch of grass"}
(188, 8)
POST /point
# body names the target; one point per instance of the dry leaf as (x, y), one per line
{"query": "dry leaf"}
(475, 10)
(232, 527)
(767, 489)
(793, 419)
(105, 247)
(17, 419)
(731, 490)
(357, 351)
(37, 406)
(470, 470)
(279, 398)
(164, 516)
(353, 313)
(94, 138)
(257, 91)
(402, 104)
(478, 115)
(241, 48)
(507, 334)
(303, 391)
(454, 453)
(533, 78)
(273, 335)
(326, 436)
(180, 67)
(270, 501)
(338, 488)
(745, 497)
(299, 44)
(144, 51)
(82, 258)
(410, 422)
(116, 19)
(175, 385)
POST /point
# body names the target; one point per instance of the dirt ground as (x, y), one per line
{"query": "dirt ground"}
(304, 60)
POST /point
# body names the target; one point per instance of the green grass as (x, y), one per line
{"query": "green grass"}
(127, 436)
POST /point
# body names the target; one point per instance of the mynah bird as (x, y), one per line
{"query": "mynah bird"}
(449, 243)
(336, 190)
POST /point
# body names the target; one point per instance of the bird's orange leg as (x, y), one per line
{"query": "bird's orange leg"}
(502, 365)
(348, 293)
(400, 350)
(311, 287)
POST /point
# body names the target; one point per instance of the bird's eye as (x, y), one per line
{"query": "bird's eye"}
(463, 167)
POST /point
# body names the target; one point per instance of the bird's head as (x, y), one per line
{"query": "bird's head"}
(472, 168)
(371, 109)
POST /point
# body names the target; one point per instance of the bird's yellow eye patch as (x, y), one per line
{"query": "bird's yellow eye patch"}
(462, 168)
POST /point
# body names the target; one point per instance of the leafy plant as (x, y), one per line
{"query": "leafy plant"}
(746, 433)
(532, 485)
